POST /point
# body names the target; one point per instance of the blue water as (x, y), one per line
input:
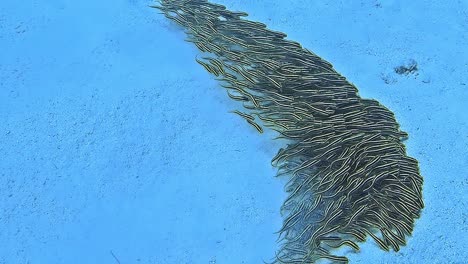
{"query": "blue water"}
(117, 147)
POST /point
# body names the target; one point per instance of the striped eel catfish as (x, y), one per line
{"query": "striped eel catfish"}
(348, 173)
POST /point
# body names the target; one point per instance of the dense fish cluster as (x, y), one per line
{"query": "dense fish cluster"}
(349, 175)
